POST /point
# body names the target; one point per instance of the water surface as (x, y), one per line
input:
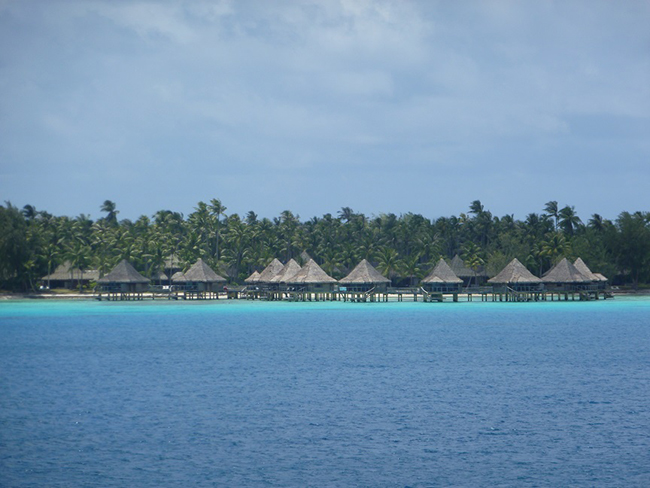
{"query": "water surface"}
(324, 394)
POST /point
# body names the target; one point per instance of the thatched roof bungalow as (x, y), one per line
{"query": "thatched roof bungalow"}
(566, 277)
(516, 276)
(584, 269)
(287, 272)
(442, 279)
(270, 271)
(178, 278)
(159, 278)
(253, 278)
(364, 277)
(123, 278)
(597, 278)
(64, 276)
(466, 274)
(312, 278)
(200, 277)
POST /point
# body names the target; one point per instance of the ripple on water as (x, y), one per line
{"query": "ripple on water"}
(248, 394)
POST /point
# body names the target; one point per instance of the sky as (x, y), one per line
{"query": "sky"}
(314, 105)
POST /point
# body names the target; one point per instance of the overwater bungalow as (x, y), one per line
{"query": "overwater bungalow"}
(310, 281)
(603, 280)
(584, 270)
(171, 266)
(201, 281)
(253, 278)
(159, 278)
(64, 276)
(287, 272)
(597, 278)
(564, 276)
(515, 282)
(270, 271)
(276, 287)
(469, 276)
(364, 278)
(565, 279)
(178, 278)
(442, 279)
(122, 283)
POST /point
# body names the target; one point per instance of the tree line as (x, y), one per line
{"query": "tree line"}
(404, 248)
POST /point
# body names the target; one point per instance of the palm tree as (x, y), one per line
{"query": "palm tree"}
(536, 257)
(552, 209)
(631, 245)
(388, 262)
(217, 209)
(237, 240)
(50, 252)
(251, 217)
(597, 222)
(472, 258)
(348, 255)
(287, 226)
(79, 256)
(331, 260)
(569, 220)
(111, 214)
(476, 207)
(483, 226)
(555, 246)
(410, 266)
(29, 268)
(367, 246)
(29, 211)
(346, 213)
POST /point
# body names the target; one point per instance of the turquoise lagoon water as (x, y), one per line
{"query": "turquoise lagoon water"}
(324, 394)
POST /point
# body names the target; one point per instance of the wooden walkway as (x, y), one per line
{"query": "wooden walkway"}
(410, 294)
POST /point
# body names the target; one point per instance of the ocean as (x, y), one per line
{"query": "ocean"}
(237, 394)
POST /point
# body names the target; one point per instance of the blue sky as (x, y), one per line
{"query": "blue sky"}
(409, 106)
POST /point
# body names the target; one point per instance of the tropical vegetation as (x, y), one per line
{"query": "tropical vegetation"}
(404, 248)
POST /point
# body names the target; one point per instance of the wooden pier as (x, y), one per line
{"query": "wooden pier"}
(304, 294)
(413, 294)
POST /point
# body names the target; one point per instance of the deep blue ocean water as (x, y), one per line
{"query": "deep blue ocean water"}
(242, 394)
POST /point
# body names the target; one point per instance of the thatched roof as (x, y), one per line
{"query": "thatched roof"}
(123, 273)
(311, 273)
(178, 277)
(584, 269)
(564, 272)
(253, 278)
(159, 275)
(364, 273)
(172, 261)
(457, 265)
(442, 273)
(515, 272)
(600, 277)
(202, 273)
(287, 272)
(270, 271)
(62, 273)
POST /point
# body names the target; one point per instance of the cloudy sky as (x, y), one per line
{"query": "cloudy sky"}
(313, 105)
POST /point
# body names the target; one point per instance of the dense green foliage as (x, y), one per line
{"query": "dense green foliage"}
(404, 248)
